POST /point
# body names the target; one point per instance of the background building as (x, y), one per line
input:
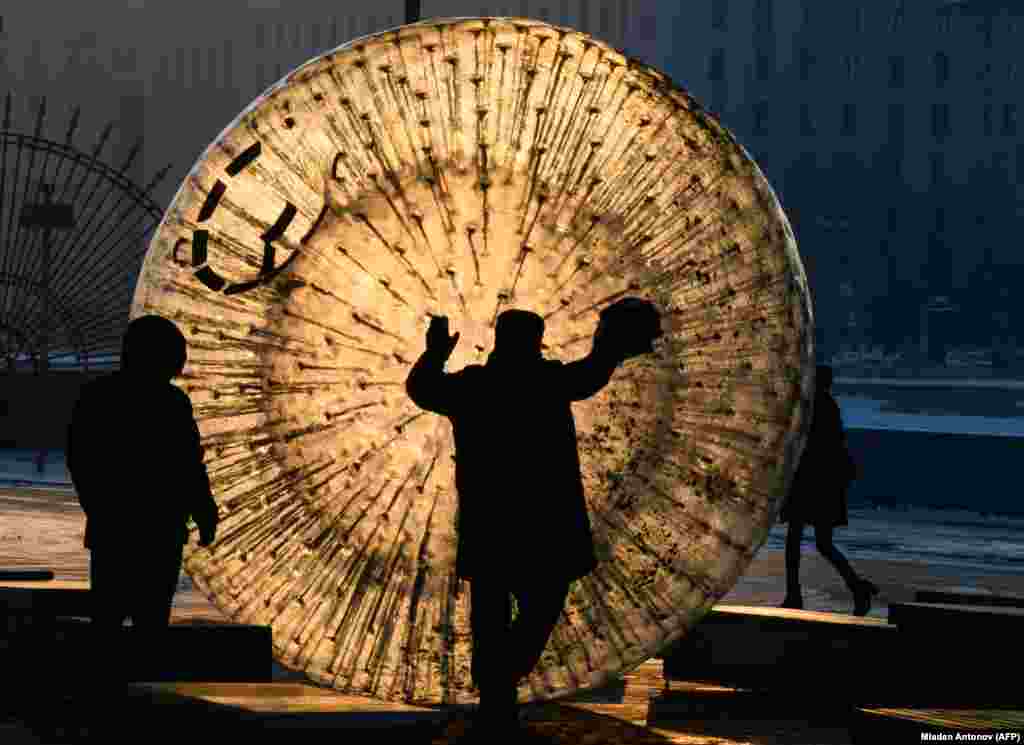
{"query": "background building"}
(890, 128)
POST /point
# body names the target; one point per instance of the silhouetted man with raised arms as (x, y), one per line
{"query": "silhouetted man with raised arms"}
(137, 466)
(522, 527)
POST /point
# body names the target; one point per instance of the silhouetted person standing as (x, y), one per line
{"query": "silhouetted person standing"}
(136, 463)
(523, 528)
(818, 498)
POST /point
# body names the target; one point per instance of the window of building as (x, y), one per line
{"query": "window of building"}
(858, 18)
(899, 15)
(851, 63)
(806, 62)
(897, 72)
(763, 15)
(764, 66)
(606, 19)
(720, 15)
(1020, 164)
(849, 124)
(944, 21)
(1009, 119)
(761, 118)
(987, 119)
(894, 218)
(940, 120)
(807, 127)
(941, 69)
(895, 122)
(1012, 72)
(937, 168)
(716, 67)
(563, 10)
(211, 66)
(999, 163)
(719, 99)
(805, 19)
(179, 65)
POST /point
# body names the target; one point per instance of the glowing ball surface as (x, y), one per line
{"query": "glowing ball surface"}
(462, 167)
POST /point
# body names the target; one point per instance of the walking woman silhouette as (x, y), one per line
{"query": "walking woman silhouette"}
(818, 498)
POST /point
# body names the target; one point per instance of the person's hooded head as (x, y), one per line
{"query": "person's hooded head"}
(518, 335)
(153, 349)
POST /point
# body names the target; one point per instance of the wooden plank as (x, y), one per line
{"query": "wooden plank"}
(968, 719)
(789, 615)
(270, 697)
(871, 726)
(244, 709)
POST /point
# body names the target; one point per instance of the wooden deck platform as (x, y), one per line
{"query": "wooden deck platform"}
(642, 709)
(745, 674)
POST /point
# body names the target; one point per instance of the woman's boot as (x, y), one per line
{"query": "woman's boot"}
(862, 594)
(793, 600)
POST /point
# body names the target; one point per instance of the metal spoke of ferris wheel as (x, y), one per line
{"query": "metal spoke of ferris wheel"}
(73, 230)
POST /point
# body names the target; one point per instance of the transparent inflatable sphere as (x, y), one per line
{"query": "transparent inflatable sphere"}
(462, 167)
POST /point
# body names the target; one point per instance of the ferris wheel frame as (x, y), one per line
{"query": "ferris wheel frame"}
(66, 285)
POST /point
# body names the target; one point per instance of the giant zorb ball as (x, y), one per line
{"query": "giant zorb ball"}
(462, 167)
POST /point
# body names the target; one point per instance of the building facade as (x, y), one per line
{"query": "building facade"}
(607, 20)
(890, 129)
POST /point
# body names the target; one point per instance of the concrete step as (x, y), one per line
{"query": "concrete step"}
(68, 652)
(956, 621)
(863, 661)
(23, 574)
(45, 597)
(969, 596)
(769, 649)
(725, 703)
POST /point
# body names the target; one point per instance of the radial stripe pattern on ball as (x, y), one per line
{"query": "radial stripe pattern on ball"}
(462, 167)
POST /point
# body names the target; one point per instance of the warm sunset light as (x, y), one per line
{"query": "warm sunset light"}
(461, 168)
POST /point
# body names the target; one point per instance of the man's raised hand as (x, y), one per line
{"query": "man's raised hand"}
(628, 328)
(438, 339)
